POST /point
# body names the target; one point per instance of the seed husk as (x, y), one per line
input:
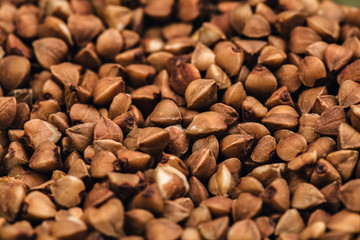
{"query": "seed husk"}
(209, 33)
(288, 20)
(171, 182)
(190, 233)
(140, 74)
(178, 45)
(302, 37)
(55, 27)
(230, 113)
(344, 161)
(354, 116)
(159, 59)
(12, 76)
(328, 29)
(349, 195)
(324, 102)
(276, 41)
(256, 26)
(348, 137)
(202, 57)
(162, 81)
(16, 156)
(311, 70)
(308, 97)
(149, 199)
(103, 163)
(17, 230)
(66, 73)
(226, 53)
(344, 221)
(44, 109)
(330, 120)
(162, 228)
(107, 219)
(234, 165)
(218, 205)
(245, 229)
(7, 111)
(201, 163)
(317, 49)
(214, 229)
(197, 192)
(260, 76)
(173, 161)
(84, 27)
(238, 16)
(307, 124)
(248, 185)
(324, 173)
(281, 117)
(178, 141)
(234, 96)
(179, 209)
(271, 57)
(13, 193)
(206, 124)
(132, 161)
(106, 48)
(201, 94)
(331, 192)
(153, 140)
(352, 43)
(182, 76)
(106, 89)
(236, 145)
(318, 215)
(348, 93)
(51, 90)
(198, 215)
(246, 206)
(119, 105)
(165, 113)
(107, 129)
(39, 206)
(49, 51)
(303, 163)
(70, 197)
(337, 56)
(269, 172)
(136, 220)
(264, 150)
(14, 44)
(160, 11)
(74, 228)
(290, 222)
(277, 195)
(46, 157)
(221, 78)
(291, 146)
(279, 97)
(82, 113)
(349, 72)
(257, 130)
(221, 182)
(38, 131)
(322, 146)
(81, 135)
(252, 109)
(307, 196)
